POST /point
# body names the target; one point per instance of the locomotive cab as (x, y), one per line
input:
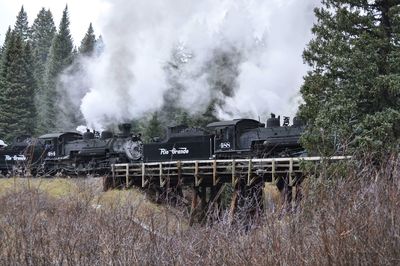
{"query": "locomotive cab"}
(226, 139)
(54, 144)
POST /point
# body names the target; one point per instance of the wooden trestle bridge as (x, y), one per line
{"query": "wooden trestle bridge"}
(208, 178)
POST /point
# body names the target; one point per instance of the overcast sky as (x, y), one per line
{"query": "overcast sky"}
(81, 13)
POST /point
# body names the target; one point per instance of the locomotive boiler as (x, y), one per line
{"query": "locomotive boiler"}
(71, 152)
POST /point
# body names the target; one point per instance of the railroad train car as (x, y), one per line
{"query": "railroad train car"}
(21, 156)
(90, 152)
(70, 153)
(239, 138)
(181, 143)
(250, 138)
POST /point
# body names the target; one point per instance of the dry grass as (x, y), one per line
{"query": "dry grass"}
(53, 187)
(351, 220)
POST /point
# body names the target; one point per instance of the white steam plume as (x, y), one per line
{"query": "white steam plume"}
(267, 36)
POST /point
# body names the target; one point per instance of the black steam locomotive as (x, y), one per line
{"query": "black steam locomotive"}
(70, 152)
(75, 153)
(239, 138)
(89, 152)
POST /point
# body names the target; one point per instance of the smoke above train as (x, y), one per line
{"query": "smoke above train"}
(245, 55)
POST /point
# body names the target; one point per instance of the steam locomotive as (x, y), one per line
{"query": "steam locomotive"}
(70, 152)
(75, 153)
(238, 138)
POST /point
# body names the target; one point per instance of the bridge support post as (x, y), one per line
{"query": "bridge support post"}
(113, 178)
(194, 205)
(127, 176)
(198, 209)
(214, 201)
(233, 206)
(203, 197)
(290, 188)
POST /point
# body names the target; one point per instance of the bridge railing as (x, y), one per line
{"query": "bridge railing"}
(212, 172)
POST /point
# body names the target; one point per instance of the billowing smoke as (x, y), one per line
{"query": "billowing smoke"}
(242, 55)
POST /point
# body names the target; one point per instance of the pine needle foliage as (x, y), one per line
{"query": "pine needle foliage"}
(17, 85)
(351, 94)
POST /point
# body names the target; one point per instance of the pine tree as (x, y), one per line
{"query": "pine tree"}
(21, 25)
(17, 110)
(4, 48)
(99, 46)
(88, 42)
(31, 88)
(43, 32)
(60, 57)
(153, 128)
(5, 45)
(351, 95)
(70, 90)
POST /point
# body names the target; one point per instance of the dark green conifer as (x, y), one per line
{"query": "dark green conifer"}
(99, 46)
(5, 45)
(88, 42)
(43, 31)
(352, 93)
(21, 25)
(153, 128)
(17, 110)
(59, 59)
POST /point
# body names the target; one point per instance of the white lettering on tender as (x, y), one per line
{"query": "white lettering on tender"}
(15, 158)
(225, 145)
(174, 151)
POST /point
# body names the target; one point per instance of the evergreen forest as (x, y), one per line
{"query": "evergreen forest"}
(32, 58)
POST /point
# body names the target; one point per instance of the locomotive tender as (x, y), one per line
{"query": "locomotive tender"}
(75, 153)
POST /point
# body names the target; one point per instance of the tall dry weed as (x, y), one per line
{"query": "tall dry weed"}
(349, 219)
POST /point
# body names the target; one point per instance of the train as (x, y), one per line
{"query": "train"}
(72, 153)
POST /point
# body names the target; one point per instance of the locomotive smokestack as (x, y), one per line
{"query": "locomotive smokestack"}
(125, 129)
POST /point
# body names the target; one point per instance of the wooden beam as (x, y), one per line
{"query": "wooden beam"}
(197, 178)
(163, 180)
(215, 177)
(250, 176)
(235, 180)
(144, 181)
(127, 175)
(193, 206)
(232, 208)
(290, 171)
(113, 175)
(179, 168)
(215, 198)
(273, 172)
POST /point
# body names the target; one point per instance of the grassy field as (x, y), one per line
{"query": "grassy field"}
(88, 190)
(53, 187)
(347, 217)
